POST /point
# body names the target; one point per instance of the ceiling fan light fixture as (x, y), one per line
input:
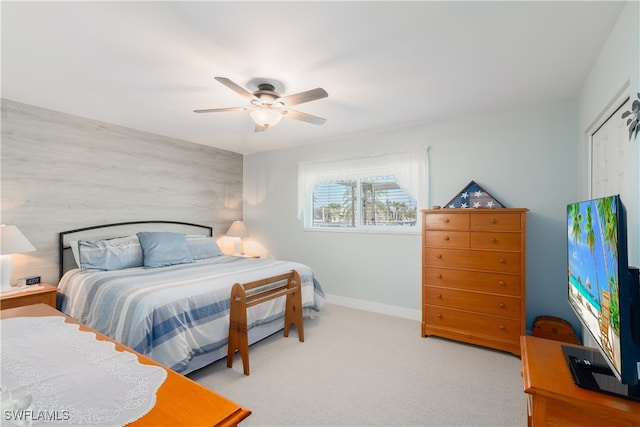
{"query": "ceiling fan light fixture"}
(267, 106)
(266, 117)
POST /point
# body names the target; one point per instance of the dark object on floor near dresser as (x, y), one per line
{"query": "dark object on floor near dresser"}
(554, 328)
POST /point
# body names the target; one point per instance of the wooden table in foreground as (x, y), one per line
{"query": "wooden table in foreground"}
(179, 401)
(553, 398)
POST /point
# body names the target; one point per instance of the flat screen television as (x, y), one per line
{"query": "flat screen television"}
(604, 293)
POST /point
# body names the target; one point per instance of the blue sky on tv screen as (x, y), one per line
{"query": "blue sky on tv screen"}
(589, 266)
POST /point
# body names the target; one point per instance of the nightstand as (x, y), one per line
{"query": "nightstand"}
(34, 294)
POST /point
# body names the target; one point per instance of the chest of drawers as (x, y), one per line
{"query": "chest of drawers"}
(473, 276)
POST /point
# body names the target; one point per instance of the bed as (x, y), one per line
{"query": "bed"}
(170, 305)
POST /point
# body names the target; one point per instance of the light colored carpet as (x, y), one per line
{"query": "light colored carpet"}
(358, 368)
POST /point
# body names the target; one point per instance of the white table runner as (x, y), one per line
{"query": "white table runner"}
(73, 378)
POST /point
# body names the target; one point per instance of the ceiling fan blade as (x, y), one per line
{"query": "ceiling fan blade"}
(298, 115)
(237, 88)
(306, 96)
(219, 110)
(260, 128)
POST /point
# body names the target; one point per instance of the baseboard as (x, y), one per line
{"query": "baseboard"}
(375, 307)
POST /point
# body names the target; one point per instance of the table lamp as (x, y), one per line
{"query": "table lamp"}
(238, 230)
(12, 241)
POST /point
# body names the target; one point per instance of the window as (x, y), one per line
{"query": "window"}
(371, 194)
(333, 204)
(370, 202)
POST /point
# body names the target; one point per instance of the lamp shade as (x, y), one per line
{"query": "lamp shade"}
(12, 241)
(266, 116)
(237, 229)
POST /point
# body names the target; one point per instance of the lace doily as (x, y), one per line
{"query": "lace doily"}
(73, 378)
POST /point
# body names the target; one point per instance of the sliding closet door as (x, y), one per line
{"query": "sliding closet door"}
(610, 151)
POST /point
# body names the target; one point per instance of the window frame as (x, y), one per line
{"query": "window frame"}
(411, 165)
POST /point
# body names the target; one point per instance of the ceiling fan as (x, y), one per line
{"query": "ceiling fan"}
(268, 106)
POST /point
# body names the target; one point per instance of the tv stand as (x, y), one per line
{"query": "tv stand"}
(554, 399)
(589, 370)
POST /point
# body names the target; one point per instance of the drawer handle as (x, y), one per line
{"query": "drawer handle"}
(446, 238)
(493, 221)
(439, 316)
(502, 328)
(501, 305)
(439, 276)
(439, 256)
(502, 283)
(501, 261)
(439, 296)
(492, 240)
(446, 220)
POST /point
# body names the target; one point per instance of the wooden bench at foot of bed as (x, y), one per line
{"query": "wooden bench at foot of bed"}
(288, 284)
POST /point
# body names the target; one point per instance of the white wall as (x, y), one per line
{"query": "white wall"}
(525, 158)
(616, 71)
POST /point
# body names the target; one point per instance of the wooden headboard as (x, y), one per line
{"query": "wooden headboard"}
(121, 229)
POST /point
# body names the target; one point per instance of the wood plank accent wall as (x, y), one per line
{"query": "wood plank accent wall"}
(60, 172)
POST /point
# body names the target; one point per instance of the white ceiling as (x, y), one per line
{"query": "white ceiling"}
(147, 65)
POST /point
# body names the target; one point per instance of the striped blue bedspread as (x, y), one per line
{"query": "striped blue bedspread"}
(172, 314)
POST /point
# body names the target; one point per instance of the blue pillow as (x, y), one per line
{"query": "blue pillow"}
(202, 247)
(113, 254)
(164, 248)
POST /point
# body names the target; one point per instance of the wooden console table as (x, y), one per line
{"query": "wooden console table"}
(179, 401)
(553, 398)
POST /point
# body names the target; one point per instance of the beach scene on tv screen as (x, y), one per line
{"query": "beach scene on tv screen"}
(593, 271)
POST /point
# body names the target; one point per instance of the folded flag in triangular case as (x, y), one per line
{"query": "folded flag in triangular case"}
(474, 196)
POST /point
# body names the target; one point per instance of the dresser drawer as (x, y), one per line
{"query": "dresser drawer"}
(499, 241)
(503, 262)
(446, 221)
(497, 283)
(472, 323)
(450, 239)
(499, 305)
(495, 221)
